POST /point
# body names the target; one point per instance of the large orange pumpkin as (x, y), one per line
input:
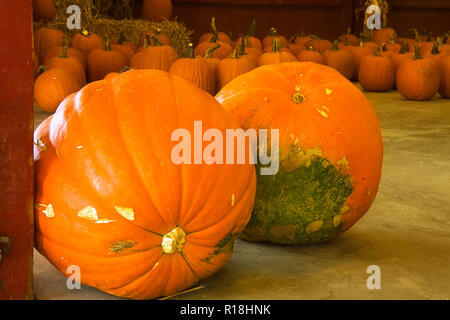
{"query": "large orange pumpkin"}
(330, 146)
(110, 200)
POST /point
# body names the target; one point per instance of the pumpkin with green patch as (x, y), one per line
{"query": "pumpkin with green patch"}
(330, 150)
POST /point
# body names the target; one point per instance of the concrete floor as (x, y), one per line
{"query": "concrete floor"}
(406, 232)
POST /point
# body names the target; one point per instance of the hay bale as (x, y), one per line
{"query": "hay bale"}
(93, 19)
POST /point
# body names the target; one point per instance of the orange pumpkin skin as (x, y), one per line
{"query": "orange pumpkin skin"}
(44, 10)
(359, 53)
(328, 132)
(230, 68)
(45, 39)
(52, 87)
(349, 38)
(101, 62)
(376, 73)
(130, 119)
(159, 57)
(276, 55)
(86, 42)
(418, 78)
(311, 55)
(444, 87)
(71, 52)
(341, 60)
(71, 65)
(196, 70)
(222, 52)
(126, 51)
(157, 10)
(383, 35)
(320, 45)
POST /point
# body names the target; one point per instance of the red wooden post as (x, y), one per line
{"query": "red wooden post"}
(16, 150)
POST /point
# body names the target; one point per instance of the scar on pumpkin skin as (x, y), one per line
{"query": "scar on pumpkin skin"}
(121, 245)
(314, 226)
(127, 213)
(38, 142)
(233, 199)
(105, 221)
(343, 164)
(48, 210)
(322, 113)
(88, 213)
(328, 91)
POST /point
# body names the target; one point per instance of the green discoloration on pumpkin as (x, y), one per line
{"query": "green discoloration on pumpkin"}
(300, 205)
(223, 246)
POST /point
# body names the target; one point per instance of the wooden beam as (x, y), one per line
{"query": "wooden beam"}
(16, 149)
(315, 3)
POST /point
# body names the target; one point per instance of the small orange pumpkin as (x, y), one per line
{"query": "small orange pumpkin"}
(155, 56)
(232, 67)
(376, 72)
(349, 38)
(276, 55)
(45, 39)
(359, 53)
(70, 52)
(273, 33)
(254, 42)
(72, 65)
(320, 45)
(196, 70)
(86, 41)
(341, 60)
(52, 87)
(217, 35)
(103, 61)
(311, 55)
(418, 78)
(164, 38)
(221, 52)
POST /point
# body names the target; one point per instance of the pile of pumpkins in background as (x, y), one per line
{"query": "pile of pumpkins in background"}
(418, 68)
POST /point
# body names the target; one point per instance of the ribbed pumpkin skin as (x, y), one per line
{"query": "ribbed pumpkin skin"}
(111, 146)
(376, 73)
(154, 57)
(275, 58)
(230, 68)
(320, 45)
(311, 56)
(256, 43)
(331, 150)
(418, 79)
(341, 60)
(86, 44)
(383, 35)
(45, 39)
(101, 62)
(221, 36)
(196, 70)
(72, 65)
(71, 52)
(126, 51)
(359, 53)
(52, 87)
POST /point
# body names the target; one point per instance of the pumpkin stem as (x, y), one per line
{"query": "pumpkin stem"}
(210, 51)
(85, 33)
(311, 48)
(383, 47)
(417, 55)
(435, 49)
(236, 51)
(248, 42)
(191, 51)
(378, 52)
(42, 68)
(391, 38)
(214, 32)
(65, 47)
(349, 30)
(335, 45)
(252, 30)
(147, 41)
(122, 38)
(276, 45)
(156, 41)
(294, 37)
(407, 47)
(402, 48)
(107, 43)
